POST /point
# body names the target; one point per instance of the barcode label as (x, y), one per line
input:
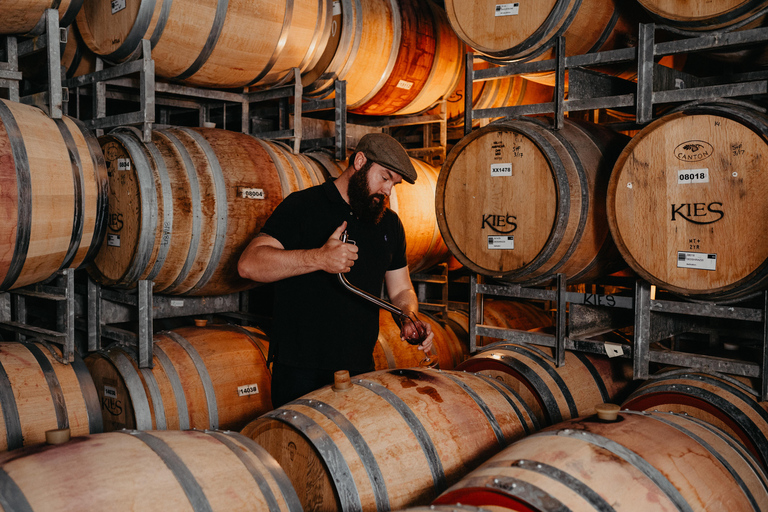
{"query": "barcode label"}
(123, 164)
(250, 389)
(696, 260)
(113, 240)
(402, 84)
(507, 9)
(110, 392)
(501, 242)
(252, 193)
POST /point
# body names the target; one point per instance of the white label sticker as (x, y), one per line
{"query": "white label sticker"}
(613, 350)
(402, 84)
(113, 240)
(177, 303)
(501, 169)
(123, 164)
(685, 176)
(507, 9)
(501, 242)
(252, 193)
(336, 7)
(697, 260)
(117, 6)
(110, 392)
(250, 389)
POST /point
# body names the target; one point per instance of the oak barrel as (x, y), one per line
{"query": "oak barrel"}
(53, 195)
(525, 31)
(184, 206)
(38, 393)
(396, 438)
(211, 43)
(702, 16)
(727, 402)
(392, 352)
(641, 462)
(203, 377)
(687, 202)
(521, 202)
(554, 393)
(137, 470)
(27, 17)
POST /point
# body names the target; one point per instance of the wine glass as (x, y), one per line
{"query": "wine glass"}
(414, 332)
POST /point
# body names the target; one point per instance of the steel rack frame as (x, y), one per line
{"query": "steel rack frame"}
(655, 84)
(14, 314)
(108, 307)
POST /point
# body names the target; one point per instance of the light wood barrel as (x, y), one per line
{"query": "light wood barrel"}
(27, 16)
(392, 352)
(397, 438)
(554, 393)
(212, 43)
(520, 202)
(76, 60)
(729, 403)
(53, 195)
(203, 377)
(137, 470)
(702, 16)
(687, 201)
(38, 393)
(642, 461)
(184, 206)
(517, 31)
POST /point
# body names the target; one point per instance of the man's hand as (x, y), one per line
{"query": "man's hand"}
(336, 256)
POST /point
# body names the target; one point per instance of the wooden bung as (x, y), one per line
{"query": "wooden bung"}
(341, 381)
(57, 436)
(607, 412)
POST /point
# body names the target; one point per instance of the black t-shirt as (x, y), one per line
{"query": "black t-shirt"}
(317, 322)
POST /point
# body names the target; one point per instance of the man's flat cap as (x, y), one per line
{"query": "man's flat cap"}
(387, 152)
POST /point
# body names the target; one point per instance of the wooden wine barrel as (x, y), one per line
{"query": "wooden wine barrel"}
(53, 195)
(38, 393)
(221, 43)
(554, 393)
(702, 16)
(729, 403)
(520, 202)
(203, 377)
(642, 461)
(687, 201)
(184, 206)
(413, 203)
(27, 17)
(136, 470)
(395, 438)
(392, 352)
(77, 59)
(523, 31)
(510, 314)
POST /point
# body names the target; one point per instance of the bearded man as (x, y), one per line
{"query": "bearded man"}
(319, 327)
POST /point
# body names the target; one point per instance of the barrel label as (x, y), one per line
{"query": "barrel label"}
(613, 349)
(117, 6)
(507, 9)
(501, 169)
(110, 392)
(501, 242)
(250, 389)
(336, 8)
(113, 240)
(404, 84)
(694, 151)
(687, 176)
(696, 260)
(123, 164)
(177, 303)
(251, 193)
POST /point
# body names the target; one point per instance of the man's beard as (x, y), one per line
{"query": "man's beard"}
(368, 207)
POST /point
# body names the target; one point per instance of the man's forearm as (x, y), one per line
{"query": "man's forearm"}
(266, 264)
(407, 301)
